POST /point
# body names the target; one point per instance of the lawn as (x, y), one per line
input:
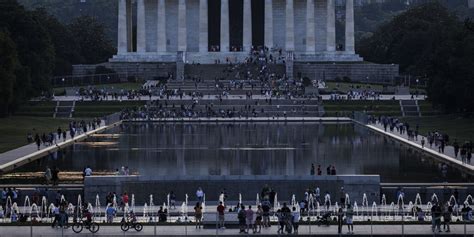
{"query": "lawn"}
(14, 129)
(453, 125)
(125, 86)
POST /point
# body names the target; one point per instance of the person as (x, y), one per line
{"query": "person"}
(343, 197)
(258, 220)
(87, 171)
(319, 170)
(55, 212)
(349, 221)
(295, 218)
(47, 175)
(266, 213)
(420, 214)
(312, 172)
(198, 215)
(241, 215)
(55, 175)
(162, 214)
(422, 142)
(110, 211)
(249, 219)
(340, 217)
(447, 213)
(281, 221)
(436, 218)
(125, 199)
(221, 215)
(172, 200)
(200, 194)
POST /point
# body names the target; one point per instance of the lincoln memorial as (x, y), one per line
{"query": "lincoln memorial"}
(298, 34)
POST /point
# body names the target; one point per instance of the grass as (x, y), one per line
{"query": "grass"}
(102, 108)
(344, 87)
(14, 129)
(124, 86)
(454, 125)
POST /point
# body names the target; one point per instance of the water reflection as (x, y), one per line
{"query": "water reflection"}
(247, 149)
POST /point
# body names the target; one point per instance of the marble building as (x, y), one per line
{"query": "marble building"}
(178, 30)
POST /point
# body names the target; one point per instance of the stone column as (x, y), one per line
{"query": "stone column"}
(182, 41)
(310, 28)
(161, 26)
(269, 23)
(130, 42)
(122, 27)
(224, 26)
(247, 25)
(350, 42)
(141, 29)
(290, 26)
(203, 27)
(331, 26)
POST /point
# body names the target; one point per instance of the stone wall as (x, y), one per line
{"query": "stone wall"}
(248, 186)
(357, 72)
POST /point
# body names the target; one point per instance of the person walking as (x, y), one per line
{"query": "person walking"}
(198, 215)
(349, 219)
(447, 214)
(258, 219)
(340, 217)
(295, 219)
(221, 215)
(47, 175)
(249, 219)
(241, 217)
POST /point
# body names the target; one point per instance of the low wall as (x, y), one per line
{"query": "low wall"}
(357, 72)
(248, 186)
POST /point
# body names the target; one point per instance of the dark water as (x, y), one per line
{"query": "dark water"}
(248, 149)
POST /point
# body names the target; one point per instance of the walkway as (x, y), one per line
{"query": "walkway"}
(249, 119)
(25, 154)
(183, 230)
(447, 156)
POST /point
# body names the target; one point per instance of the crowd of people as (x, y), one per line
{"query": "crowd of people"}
(435, 139)
(53, 137)
(159, 109)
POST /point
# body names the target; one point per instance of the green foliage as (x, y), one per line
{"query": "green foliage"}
(8, 65)
(429, 41)
(94, 45)
(103, 70)
(34, 51)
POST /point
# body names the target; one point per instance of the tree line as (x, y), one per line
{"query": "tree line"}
(431, 42)
(34, 46)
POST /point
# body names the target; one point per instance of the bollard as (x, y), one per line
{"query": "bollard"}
(217, 225)
(309, 224)
(186, 225)
(371, 225)
(403, 224)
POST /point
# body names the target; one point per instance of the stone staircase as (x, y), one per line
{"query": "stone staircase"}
(290, 108)
(410, 108)
(64, 109)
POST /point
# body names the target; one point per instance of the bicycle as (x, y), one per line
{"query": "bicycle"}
(79, 226)
(125, 226)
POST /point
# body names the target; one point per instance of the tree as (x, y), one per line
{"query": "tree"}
(8, 65)
(94, 45)
(34, 49)
(66, 48)
(429, 41)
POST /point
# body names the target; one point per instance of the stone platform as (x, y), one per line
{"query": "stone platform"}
(248, 185)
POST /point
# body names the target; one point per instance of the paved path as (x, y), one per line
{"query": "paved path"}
(447, 156)
(313, 230)
(233, 97)
(25, 154)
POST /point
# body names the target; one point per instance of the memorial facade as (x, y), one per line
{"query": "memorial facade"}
(178, 30)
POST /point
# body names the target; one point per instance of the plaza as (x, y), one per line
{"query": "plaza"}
(233, 118)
